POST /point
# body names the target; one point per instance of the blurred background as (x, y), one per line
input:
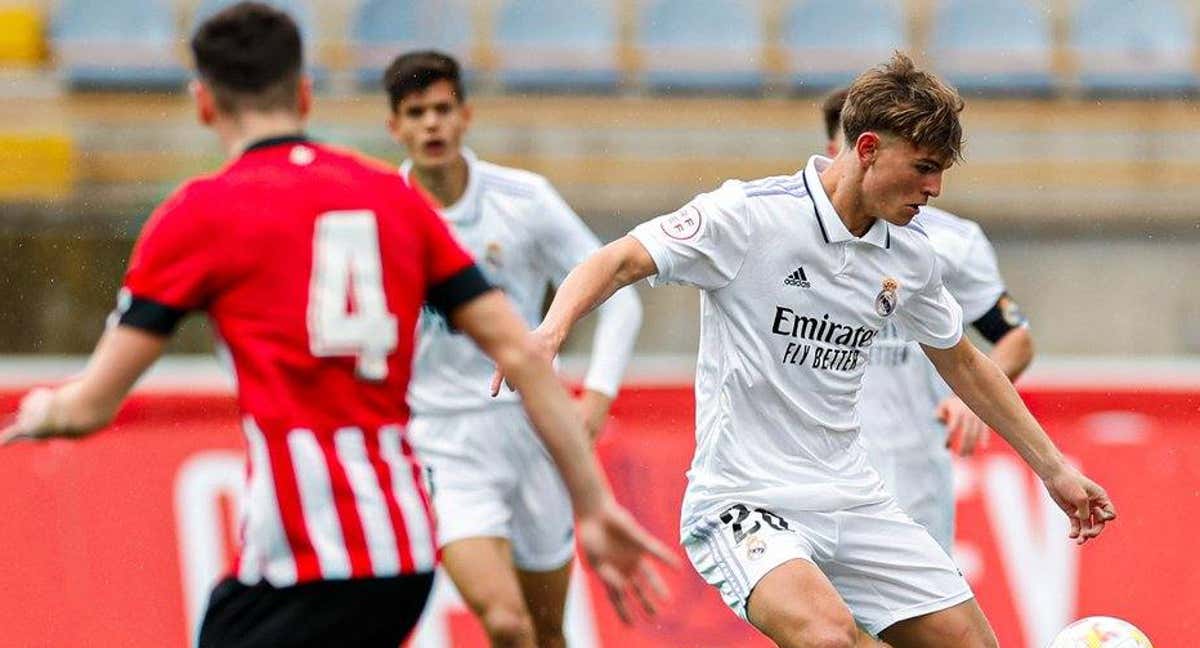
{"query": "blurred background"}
(1082, 164)
(1083, 133)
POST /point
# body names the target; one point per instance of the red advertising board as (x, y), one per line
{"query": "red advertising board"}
(114, 540)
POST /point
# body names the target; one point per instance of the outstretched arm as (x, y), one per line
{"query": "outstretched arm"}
(591, 283)
(988, 392)
(1012, 353)
(91, 400)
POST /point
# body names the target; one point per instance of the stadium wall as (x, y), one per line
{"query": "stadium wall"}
(114, 541)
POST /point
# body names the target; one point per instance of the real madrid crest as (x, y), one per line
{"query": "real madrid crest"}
(755, 548)
(885, 301)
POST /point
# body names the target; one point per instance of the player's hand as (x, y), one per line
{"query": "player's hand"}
(1083, 500)
(544, 344)
(619, 550)
(34, 419)
(965, 432)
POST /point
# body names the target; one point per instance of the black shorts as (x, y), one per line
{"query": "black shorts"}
(363, 613)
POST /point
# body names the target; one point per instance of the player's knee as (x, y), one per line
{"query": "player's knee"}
(832, 636)
(833, 631)
(508, 626)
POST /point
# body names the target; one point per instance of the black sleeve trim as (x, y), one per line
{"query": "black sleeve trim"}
(460, 288)
(1003, 317)
(149, 316)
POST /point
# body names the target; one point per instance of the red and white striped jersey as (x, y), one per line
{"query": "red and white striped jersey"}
(313, 265)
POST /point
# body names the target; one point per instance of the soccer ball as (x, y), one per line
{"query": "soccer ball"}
(1100, 632)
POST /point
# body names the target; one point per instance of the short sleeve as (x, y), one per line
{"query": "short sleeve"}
(930, 315)
(173, 268)
(703, 244)
(975, 280)
(452, 278)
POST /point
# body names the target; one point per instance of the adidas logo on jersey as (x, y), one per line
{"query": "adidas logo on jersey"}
(797, 278)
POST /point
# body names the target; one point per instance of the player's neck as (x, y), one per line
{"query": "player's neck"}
(447, 183)
(846, 196)
(249, 128)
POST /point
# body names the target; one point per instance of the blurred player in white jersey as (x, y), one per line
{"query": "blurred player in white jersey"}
(504, 518)
(909, 415)
(783, 512)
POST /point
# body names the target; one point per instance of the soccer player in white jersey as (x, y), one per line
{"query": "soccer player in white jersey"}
(504, 518)
(909, 416)
(783, 513)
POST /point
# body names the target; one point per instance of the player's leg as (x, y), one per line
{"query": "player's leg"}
(961, 625)
(543, 536)
(763, 566)
(900, 584)
(545, 595)
(796, 606)
(474, 476)
(482, 569)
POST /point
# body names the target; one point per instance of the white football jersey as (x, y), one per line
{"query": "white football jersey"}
(791, 304)
(901, 388)
(524, 237)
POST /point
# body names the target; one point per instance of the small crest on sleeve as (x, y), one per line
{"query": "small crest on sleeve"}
(885, 301)
(683, 224)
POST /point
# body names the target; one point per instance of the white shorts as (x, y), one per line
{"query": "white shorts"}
(491, 478)
(885, 566)
(922, 479)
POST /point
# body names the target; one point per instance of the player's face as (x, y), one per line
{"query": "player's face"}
(431, 124)
(900, 179)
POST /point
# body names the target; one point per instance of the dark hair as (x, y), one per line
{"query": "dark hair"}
(250, 56)
(416, 71)
(901, 99)
(831, 110)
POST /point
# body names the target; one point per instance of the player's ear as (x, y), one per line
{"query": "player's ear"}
(206, 105)
(866, 147)
(467, 114)
(304, 96)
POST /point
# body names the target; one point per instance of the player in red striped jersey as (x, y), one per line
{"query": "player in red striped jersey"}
(313, 264)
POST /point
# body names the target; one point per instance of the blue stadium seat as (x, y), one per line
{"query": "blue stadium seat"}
(118, 44)
(1137, 47)
(994, 46)
(702, 45)
(382, 29)
(299, 10)
(561, 45)
(829, 42)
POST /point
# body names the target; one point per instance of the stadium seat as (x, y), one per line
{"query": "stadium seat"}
(21, 42)
(702, 45)
(384, 28)
(994, 46)
(118, 44)
(563, 45)
(1134, 47)
(829, 42)
(299, 10)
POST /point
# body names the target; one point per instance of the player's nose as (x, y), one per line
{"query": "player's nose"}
(933, 186)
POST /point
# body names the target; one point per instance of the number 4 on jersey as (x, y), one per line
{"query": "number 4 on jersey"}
(347, 308)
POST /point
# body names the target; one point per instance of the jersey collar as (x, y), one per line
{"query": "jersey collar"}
(268, 142)
(833, 230)
(460, 212)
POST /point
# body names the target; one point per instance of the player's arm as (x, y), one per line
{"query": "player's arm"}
(614, 266)
(988, 392)
(615, 544)
(566, 242)
(91, 400)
